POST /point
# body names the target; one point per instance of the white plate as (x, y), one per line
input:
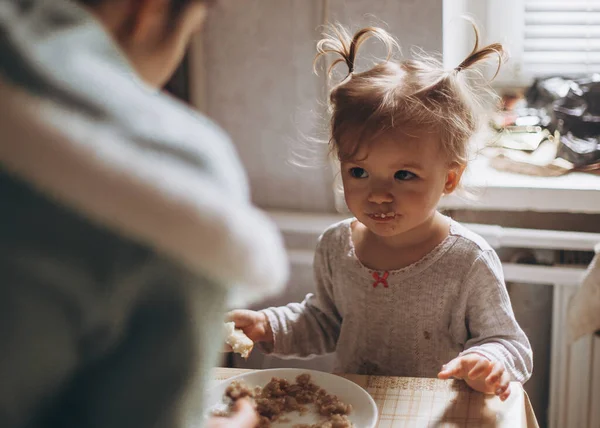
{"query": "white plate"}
(364, 409)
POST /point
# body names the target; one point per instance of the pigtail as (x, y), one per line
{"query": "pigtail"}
(339, 41)
(481, 54)
(408, 96)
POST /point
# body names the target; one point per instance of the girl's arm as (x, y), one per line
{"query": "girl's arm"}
(313, 326)
(494, 331)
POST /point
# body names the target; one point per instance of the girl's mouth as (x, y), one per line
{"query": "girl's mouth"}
(382, 217)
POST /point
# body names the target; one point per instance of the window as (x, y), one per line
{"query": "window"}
(544, 37)
(561, 37)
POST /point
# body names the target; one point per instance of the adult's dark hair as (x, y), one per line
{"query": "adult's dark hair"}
(177, 6)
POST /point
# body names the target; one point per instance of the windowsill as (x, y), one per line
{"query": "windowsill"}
(503, 191)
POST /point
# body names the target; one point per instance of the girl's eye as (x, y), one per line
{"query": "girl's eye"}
(357, 172)
(404, 175)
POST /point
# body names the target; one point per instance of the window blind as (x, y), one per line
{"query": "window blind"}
(561, 37)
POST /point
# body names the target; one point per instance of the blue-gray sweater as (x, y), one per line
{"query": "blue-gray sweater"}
(125, 230)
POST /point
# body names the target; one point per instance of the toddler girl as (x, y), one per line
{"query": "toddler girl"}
(401, 289)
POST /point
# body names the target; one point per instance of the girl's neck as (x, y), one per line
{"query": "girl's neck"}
(397, 252)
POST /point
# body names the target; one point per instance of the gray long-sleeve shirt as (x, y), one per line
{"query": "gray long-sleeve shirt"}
(407, 322)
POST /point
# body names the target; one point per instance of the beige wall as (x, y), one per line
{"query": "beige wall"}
(260, 87)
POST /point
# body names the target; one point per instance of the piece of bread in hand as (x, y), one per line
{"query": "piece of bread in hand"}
(237, 339)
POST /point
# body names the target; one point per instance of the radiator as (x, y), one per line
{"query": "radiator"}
(574, 369)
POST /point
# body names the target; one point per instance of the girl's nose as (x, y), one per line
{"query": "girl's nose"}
(380, 196)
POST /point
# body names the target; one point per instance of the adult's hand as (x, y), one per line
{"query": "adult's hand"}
(244, 416)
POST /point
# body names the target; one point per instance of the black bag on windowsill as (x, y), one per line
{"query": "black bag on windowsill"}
(579, 151)
(577, 118)
(542, 95)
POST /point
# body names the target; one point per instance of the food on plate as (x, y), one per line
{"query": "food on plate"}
(237, 339)
(335, 421)
(280, 397)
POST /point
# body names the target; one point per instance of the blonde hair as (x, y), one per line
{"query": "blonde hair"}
(404, 95)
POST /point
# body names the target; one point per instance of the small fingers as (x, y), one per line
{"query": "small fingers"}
(447, 372)
(454, 368)
(238, 317)
(503, 390)
(242, 317)
(481, 369)
(496, 372)
(505, 394)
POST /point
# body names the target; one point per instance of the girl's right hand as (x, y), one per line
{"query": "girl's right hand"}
(254, 324)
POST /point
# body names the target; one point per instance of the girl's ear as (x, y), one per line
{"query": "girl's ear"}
(453, 177)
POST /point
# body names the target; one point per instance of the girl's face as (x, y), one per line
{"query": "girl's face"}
(395, 185)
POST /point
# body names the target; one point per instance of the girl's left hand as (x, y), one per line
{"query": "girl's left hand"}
(481, 374)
